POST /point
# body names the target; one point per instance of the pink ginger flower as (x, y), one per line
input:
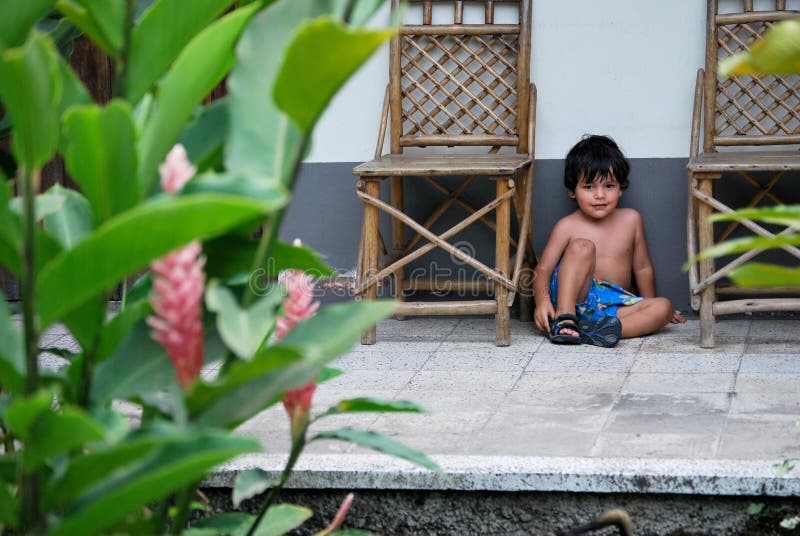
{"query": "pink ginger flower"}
(297, 306)
(176, 170)
(178, 284)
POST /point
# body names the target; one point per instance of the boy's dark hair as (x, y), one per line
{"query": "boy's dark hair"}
(592, 157)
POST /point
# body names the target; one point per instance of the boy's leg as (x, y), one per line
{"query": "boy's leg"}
(645, 317)
(575, 272)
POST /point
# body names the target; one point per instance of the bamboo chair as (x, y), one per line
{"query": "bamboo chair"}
(454, 84)
(735, 112)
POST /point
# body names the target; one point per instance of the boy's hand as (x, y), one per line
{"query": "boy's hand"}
(544, 312)
(677, 318)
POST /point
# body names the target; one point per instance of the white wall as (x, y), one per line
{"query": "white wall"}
(620, 67)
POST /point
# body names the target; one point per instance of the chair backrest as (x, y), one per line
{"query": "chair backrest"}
(745, 110)
(457, 83)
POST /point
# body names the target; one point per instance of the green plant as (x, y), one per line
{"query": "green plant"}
(71, 464)
(777, 53)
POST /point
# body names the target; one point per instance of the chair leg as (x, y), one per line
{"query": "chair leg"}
(706, 240)
(398, 239)
(502, 248)
(525, 293)
(370, 260)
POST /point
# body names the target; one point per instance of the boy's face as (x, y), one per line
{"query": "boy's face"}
(597, 199)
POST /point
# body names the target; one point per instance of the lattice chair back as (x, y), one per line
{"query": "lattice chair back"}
(759, 110)
(457, 82)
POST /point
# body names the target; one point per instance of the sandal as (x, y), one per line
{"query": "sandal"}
(604, 332)
(562, 322)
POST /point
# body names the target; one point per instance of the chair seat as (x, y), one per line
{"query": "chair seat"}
(746, 160)
(465, 164)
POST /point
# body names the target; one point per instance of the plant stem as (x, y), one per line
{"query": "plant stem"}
(89, 358)
(120, 79)
(298, 442)
(28, 291)
(183, 502)
(31, 519)
(8, 441)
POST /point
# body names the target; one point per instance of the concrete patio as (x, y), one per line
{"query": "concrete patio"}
(654, 416)
(655, 397)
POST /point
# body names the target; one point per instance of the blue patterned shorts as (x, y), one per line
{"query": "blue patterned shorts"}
(603, 298)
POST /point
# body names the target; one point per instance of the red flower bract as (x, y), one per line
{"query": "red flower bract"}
(178, 284)
(297, 306)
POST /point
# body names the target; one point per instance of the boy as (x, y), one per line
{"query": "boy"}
(594, 254)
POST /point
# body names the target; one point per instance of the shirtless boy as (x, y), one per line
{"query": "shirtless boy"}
(594, 255)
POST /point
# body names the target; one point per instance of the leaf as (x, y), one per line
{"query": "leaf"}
(30, 89)
(73, 92)
(250, 483)
(86, 320)
(23, 412)
(790, 523)
(118, 328)
(236, 184)
(334, 329)
(56, 433)
(755, 509)
(115, 425)
(362, 405)
(327, 374)
(204, 136)
(199, 67)
(44, 205)
(248, 387)
(783, 468)
(375, 441)
(263, 139)
(73, 219)
(233, 523)
(8, 467)
(10, 231)
(321, 57)
(755, 274)
(233, 255)
(140, 365)
(746, 244)
(157, 40)
(114, 484)
(282, 518)
(135, 237)
(18, 18)
(102, 21)
(8, 514)
(777, 53)
(109, 16)
(363, 11)
(12, 353)
(100, 156)
(243, 330)
(788, 215)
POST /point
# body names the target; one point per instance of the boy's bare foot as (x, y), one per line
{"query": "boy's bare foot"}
(564, 330)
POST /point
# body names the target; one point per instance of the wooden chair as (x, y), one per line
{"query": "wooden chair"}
(454, 84)
(736, 112)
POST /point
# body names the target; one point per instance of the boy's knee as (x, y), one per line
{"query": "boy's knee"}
(665, 308)
(581, 247)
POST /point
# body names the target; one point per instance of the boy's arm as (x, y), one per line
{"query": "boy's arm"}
(643, 273)
(556, 244)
